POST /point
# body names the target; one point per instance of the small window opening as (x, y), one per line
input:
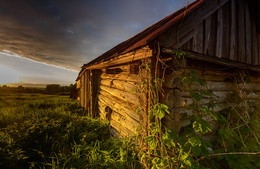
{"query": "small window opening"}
(108, 111)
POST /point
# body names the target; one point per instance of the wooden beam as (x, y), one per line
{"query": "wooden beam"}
(123, 59)
(219, 61)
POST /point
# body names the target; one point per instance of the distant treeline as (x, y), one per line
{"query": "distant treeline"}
(49, 89)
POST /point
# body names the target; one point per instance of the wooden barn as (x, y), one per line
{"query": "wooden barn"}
(222, 38)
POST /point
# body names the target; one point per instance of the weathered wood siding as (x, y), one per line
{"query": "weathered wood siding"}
(85, 90)
(219, 79)
(229, 33)
(118, 99)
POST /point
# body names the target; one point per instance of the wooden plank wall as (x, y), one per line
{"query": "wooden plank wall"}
(85, 88)
(228, 33)
(118, 93)
(220, 81)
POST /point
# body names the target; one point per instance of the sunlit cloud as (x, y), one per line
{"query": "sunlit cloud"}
(14, 68)
(9, 53)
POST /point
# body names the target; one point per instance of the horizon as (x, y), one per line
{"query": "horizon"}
(47, 42)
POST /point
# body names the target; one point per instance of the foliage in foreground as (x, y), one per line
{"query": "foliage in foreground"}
(41, 131)
(219, 135)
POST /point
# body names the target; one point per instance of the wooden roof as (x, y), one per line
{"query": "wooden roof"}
(198, 10)
(147, 35)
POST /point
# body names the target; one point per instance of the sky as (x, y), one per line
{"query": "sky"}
(47, 41)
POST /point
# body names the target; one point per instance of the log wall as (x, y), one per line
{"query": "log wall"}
(220, 80)
(118, 99)
(112, 91)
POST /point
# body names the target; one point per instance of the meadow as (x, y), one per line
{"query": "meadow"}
(51, 131)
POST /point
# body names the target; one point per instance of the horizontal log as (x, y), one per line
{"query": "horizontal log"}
(120, 107)
(172, 98)
(118, 115)
(127, 86)
(124, 68)
(125, 76)
(124, 122)
(222, 95)
(121, 129)
(130, 57)
(123, 95)
(173, 80)
(226, 86)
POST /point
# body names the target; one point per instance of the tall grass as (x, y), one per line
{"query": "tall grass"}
(44, 131)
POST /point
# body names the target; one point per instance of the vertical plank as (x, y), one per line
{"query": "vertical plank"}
(241, 31)
(258, 58)
(84, 91)
(90, 93)
(219, 33)
(233, 31)
(213, 35)
(226, 31)
(248, 34)
(87, 89)
(189, 44)
(254, 43)
(207, 29)
(81, 91)
(198, 39)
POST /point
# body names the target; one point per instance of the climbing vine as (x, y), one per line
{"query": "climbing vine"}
(224, 137)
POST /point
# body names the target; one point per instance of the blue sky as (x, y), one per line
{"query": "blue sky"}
(47, 41)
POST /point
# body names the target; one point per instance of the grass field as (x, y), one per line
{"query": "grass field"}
(48, 131)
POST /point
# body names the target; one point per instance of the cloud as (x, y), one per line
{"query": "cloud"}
(70, 33)
(29, 71)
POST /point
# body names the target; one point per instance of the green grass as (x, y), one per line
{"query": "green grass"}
(48, 131)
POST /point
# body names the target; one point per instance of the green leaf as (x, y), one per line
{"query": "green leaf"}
(202, 126)
(195, 141)
(165, 108)
(143, 157)
(137, 110)
(206, 127)
(153, 144)
(156, 160)
(197, 127)
(161, 114)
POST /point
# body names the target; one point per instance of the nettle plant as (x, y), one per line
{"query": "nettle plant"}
(227, 138)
